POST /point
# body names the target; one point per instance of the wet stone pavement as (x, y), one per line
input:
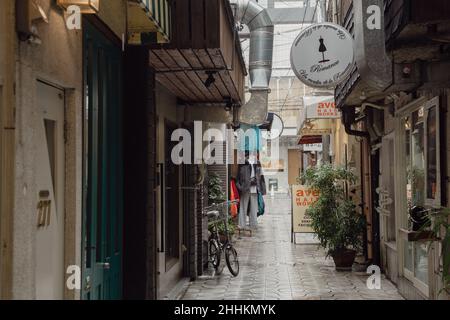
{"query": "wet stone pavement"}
(272, 268)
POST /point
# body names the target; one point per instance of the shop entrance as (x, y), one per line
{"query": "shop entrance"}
(102, 168)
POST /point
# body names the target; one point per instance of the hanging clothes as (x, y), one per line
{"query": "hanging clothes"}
(261, 205)
(234, 195)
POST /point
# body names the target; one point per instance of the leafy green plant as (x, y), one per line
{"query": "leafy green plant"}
(439, 223)
(221, 226)
(215, 193)
(334, 218)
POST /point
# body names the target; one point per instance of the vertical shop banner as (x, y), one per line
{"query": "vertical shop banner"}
(302, 198)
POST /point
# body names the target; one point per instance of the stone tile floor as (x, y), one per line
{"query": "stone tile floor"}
(272, 268)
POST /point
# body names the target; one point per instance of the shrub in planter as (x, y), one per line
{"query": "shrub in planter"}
(334, 218)
(215, 193)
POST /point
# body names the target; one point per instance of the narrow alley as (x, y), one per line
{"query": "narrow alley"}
(137, 137)
(272, 268)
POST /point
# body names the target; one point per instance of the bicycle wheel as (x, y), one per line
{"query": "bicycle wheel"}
(214, 253)
(231, 258)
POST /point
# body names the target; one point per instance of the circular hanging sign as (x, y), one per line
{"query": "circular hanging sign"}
(322, 55)
(276, 130)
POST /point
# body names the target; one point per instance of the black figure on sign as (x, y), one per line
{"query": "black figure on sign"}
(322, 49)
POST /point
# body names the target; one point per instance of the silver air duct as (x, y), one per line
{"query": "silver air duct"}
(257, 19)
(374, 65)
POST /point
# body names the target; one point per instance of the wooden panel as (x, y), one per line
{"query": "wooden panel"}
(221, 86)
(191, 87)
(179, 59)
(198, 23)
(167, 59)
(217, 58)
(212, 89)
(225, 75)
(199, 83)
(204, 58)
(180, 86)
(164, 80)
(227, 38)
(182, 22)
(212, 22)
(430, 10)
(192, 58)
(156, 63)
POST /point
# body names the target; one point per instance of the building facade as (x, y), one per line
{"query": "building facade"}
(89, 98)
(396, 101)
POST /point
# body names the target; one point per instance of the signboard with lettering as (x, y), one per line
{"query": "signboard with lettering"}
(321, 108)
(302, 198)
(322, 55)
(314, 147)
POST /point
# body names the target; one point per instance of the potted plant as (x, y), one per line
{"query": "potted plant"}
(215, 196)
(333, 217)
(439, 224)
(215, 193)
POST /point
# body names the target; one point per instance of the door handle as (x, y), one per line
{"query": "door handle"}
(104, 265)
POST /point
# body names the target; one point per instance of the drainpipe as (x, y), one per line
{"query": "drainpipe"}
(348, 118)
(252, 14)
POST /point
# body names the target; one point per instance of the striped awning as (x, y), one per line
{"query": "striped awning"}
(149, 21)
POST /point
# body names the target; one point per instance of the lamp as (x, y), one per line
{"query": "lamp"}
(208, 83)
(86, 6)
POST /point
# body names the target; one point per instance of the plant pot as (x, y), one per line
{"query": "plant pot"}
(344, 259)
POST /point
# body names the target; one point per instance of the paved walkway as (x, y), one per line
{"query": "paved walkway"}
(274, 269)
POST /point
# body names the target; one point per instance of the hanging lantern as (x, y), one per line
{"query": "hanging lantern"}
(86, 6)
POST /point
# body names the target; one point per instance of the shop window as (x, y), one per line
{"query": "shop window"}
(432, 172)
(422, 154)
(415, 188)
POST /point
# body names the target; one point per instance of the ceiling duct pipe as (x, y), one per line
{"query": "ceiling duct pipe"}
(374, 66)
(252, 14)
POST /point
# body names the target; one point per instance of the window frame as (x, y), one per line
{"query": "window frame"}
(402, 205)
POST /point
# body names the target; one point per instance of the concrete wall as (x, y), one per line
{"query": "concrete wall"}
(57, 61)
(166, 108)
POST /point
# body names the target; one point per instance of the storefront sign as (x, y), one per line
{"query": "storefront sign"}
(321, 108)
(322, 55)
(315, 147)
(302, 198)
(315, 132)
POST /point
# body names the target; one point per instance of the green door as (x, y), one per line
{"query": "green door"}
(102, 168)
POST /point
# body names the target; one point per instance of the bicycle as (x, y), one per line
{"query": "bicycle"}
(216, 248)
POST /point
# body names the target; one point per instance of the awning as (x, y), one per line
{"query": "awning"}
(149, 21)
(310, 140)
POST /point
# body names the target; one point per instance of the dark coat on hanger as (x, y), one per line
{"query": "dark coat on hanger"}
(243, 182)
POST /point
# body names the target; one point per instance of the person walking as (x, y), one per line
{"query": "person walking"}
(250, 182)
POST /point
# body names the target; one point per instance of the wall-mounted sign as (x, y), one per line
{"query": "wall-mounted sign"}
(302, 198)
(314, 147)
(322, 55)
(321, 108)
